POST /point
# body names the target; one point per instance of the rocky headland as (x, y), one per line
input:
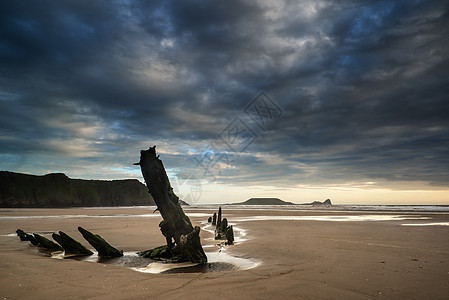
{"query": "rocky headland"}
(58, 190)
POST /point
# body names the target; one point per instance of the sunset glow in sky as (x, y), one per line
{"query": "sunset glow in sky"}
(299, 100)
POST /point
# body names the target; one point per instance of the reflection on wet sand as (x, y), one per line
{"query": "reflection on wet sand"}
(333, 218)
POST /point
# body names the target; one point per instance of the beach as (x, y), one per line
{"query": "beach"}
(279, 254)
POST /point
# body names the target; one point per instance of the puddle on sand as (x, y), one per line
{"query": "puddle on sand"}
(129, 259)
(10, 235)
(217, 262)
(427, 224)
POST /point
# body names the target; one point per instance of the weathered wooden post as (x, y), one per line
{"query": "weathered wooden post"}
(224, 224)
(214, 219)
(179, 233)
(230, 235)
(219, 219)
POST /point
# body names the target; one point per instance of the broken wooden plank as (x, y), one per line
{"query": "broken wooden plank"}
(46, 243)
(70, 245)
(104, 248)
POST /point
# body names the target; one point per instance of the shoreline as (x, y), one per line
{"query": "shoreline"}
(296, 207)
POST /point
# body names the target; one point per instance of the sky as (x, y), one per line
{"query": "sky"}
(299, 100)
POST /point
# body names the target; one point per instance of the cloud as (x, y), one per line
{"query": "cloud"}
(363, 87)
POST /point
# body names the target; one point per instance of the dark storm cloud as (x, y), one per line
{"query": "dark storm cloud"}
(363, 86)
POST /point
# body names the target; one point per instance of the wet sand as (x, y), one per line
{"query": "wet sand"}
(351, 255)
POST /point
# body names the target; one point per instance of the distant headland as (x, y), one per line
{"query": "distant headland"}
(58, 190)
(277, 201)
(264, 201)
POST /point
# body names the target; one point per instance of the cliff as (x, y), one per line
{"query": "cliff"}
(58, 190)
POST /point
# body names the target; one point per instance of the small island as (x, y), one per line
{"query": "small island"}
(264, 201)
(277, 201)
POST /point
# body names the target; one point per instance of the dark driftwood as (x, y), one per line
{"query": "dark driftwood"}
(26, 237)
(103, 247)
(70, 245)
(180, 235)
(46, 243)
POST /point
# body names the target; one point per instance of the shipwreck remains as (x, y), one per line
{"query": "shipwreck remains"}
(27, 237)
(46, 243)
(104, 248)
(183, 240)
(222, 230)
(70, 245)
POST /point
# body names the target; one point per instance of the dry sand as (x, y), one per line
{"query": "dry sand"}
(300, 259)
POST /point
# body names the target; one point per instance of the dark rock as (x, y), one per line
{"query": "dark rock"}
(209, 220)
(326, 202)
(70, 245)
(104, 248)
(46, 243)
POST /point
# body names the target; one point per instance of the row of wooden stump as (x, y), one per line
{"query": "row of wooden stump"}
(71, 246)
(223, 231)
